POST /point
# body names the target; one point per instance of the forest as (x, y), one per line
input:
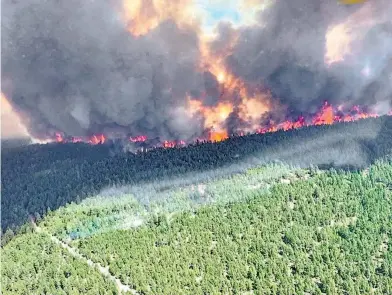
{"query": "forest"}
(328, 234)
(37, 178)
(274, 229)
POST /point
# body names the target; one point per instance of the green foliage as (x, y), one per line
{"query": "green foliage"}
(325, 235)
(299, 232)
(273, 229)
(33, 264)
(102, 213)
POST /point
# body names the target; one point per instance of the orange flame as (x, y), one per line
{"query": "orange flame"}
(326, 116)
(168, 144)
(142, 16)
(216, 136)
(213, 116)
(96, 139)
(252, 103)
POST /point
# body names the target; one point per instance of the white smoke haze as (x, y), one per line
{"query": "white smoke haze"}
(74, 67)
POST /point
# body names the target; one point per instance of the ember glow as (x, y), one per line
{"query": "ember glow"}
(140, 138)
(185, 70)
(327, 115)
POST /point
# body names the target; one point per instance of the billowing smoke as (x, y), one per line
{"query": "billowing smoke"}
(72, 66)
(307, 51)
(75, 66)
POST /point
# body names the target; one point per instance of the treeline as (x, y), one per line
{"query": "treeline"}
(36, 178)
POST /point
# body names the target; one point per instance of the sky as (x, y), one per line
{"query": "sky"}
(235, 11)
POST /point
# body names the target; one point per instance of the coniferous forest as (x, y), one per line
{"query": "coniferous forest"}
(36, 178)
(306, 211)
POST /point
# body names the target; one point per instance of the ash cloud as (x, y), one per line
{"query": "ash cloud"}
(72, 66)
(285, 52)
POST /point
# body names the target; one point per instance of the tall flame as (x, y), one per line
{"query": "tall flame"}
(251, 103)
(143, 16)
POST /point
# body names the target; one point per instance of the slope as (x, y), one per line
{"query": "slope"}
(36, 178)
(298, 231)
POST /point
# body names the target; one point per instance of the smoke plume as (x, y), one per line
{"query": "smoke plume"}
(113, 67)
(74, 67)
(306, 52)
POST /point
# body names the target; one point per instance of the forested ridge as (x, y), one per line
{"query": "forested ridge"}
(36, 178)
(264, 227)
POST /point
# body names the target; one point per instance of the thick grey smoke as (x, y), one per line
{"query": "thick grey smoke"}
(286, 52)
(72, 66)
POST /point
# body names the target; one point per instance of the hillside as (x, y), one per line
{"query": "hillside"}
(36, 178)
(181, 147)
(273, 229)
(250, 215)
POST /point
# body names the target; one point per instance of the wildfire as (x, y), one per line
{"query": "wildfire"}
(338, 42)
(172, 144)
(95, 139)
(59, 137)
(143, 16)
(216, 136)
(251, 102)
(327, 115)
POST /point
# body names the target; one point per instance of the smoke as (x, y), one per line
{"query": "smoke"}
(79, 68)
(74, 67)
(11, 127)
(287, 52)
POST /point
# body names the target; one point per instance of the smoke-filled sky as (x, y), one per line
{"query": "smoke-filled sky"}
(172, 69)
(11, 126)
